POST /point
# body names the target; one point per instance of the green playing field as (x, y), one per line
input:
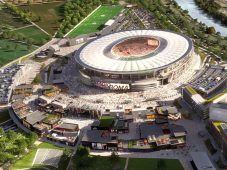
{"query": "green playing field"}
(95, 21)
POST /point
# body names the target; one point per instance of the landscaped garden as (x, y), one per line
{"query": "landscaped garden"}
(83, 160)
(28, 159)
(49, 17)
(96, 20)
(9, 20)
(36, 35)
(13, 146)
(11, 50)
(18, 36)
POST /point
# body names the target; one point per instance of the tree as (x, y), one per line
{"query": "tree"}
(12, 135)
(67, 152)
(2, 132)
(21, 146)
(29, 2)
(29, 47)
(211, 30)
(114, 157)
(16, 46)
(82, 151)
(32, 137)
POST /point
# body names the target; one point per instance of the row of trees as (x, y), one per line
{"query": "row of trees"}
(25, 16)
(13, 145)
(76, 10)
(212, 8)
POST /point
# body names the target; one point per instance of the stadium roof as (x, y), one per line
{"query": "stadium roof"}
(97, 55)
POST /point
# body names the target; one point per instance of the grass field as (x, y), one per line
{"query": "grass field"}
(151, 164)
(12, 53)
(100, 163)
(26, 161)
(95, 21)
(4, 115)
(104, 163)
(37, 35)
(49, 13)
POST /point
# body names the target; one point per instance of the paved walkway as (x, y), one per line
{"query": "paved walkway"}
(126, 164)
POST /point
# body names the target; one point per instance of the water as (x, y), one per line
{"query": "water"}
(197, 13)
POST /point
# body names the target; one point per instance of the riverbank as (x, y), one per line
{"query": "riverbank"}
(214, 8)
(169, 16)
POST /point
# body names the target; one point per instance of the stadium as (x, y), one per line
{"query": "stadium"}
(134, 60)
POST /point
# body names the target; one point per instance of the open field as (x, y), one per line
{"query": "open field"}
(100, 163)
(27, 160)
(10, 50)
(153, 164)
(38, 36)
(104, 163)
(95, 21)
(4, 115)
(50, 15)
(8, 20)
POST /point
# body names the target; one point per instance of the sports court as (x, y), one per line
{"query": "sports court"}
(96, 20)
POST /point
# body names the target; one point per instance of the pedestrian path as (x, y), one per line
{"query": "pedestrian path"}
(126, 164)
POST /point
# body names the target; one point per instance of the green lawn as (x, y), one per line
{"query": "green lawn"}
(26, 161)
(95, 21)
(49, 13)
(101, 163)
(4, 115)
(14, 51)
(38, 36)
(152, 164)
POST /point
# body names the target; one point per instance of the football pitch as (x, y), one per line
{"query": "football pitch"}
(96, 20)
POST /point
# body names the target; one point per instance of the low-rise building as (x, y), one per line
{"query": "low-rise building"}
(195, 101)
(100, 140)
(34, 120)
(218, 109)
(201, 161)
(25, 89)
(50, 90)
(118, 134)
(65, 133)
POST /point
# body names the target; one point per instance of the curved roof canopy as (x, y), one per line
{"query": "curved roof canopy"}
(98, 54)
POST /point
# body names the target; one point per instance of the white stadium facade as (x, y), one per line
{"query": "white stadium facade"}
(134, 60)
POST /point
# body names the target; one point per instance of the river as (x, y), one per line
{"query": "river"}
(197, 13)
